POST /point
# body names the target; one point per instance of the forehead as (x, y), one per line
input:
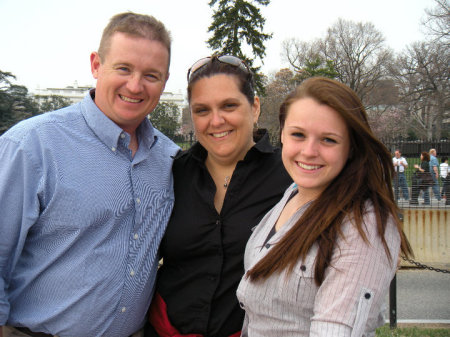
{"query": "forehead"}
(216, 86)
(131, 46)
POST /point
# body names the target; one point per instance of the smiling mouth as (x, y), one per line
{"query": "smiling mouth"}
(130, 100)
(220, 135)
(309, 167)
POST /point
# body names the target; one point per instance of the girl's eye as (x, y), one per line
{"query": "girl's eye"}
(124, 69)
(329, 140)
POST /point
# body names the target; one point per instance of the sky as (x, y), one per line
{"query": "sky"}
(47, 43)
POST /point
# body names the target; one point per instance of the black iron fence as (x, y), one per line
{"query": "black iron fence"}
(409, 190)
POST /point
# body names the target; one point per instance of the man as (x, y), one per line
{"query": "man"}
(400, 165)
(445, 177)
(434, 169)
(85, 196)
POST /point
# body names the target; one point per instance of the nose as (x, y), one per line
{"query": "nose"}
(309, 148)
(134, 84)
(217, 118)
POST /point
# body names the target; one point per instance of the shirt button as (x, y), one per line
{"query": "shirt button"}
(367, 295)
(218, 222)
(122, 135)
(138, 201)
(303, 268)
(113, 149)
(267, 245)
(124, 309)
(132, 273)
(136, 236)
(241, 305)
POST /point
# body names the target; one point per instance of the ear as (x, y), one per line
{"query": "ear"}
(256, 107)
(165, 82)
(95, 64)
(282, 136)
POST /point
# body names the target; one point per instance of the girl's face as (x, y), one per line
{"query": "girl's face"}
(316, 145)
(223, 117)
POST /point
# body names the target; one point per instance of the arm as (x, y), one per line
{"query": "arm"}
(17, 207)
(348, 302)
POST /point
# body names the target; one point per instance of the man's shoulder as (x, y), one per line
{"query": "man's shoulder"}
(166, 143)
(42, 123)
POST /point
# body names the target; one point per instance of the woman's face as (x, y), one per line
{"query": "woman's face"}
(223, 118)
(316, 145)
(421, 157)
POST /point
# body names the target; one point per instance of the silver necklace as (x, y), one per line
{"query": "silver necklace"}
(227, 180)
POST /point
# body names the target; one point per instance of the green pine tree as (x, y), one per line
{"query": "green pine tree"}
(236, 22)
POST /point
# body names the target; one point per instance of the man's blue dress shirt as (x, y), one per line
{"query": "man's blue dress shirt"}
(80, 222)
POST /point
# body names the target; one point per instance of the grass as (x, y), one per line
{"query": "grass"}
(385, 331)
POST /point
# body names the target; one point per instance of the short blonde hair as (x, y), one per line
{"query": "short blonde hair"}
(140, 25)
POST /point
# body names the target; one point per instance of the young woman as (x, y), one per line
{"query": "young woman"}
(320, 262)
(421, 180)
(224, 185)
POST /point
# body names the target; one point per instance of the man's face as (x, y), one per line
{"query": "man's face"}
(131, 79)
(397, 154)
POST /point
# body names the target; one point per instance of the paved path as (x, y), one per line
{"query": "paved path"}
(423, 295)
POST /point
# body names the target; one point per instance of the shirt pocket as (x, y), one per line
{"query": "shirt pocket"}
(305, 288)
(362, 312)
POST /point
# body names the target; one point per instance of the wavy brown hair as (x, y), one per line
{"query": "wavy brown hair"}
(365, 177)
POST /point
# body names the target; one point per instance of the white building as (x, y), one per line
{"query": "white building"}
(76, 94)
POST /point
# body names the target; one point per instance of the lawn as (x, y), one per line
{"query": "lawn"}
(385, 331)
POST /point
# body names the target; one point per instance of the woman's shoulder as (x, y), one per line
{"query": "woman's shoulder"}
(369, 226)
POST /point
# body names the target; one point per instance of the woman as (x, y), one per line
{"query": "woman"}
(224, 185)
(421, 180)
(320, 262)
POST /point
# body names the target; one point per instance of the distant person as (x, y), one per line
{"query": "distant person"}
(421, 180)
(224, 184)
(85, 196)
(321, 261)
(434, 169)
(400, 166)
(445, 177)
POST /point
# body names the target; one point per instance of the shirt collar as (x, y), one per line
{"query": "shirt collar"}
(108, 131)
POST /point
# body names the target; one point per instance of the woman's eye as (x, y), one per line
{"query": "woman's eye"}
(200, 111)
(230, 106)
(298, 135)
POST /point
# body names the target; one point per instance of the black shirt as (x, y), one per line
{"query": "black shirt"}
(203, 250)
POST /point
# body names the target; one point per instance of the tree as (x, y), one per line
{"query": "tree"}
(423, 78)
(278, 87)
(438, 21)
(306, 60)
(165, 118)
(352, 52)
(359, 55)
(237, 21)
(15, 102)
(51, 103)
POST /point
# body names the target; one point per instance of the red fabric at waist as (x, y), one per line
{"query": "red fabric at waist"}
(160, 320)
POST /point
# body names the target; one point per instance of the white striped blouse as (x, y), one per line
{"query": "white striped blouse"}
(348, 303)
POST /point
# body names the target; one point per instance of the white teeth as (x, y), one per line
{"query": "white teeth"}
(308, 167)
(218, 135)
(128, 99)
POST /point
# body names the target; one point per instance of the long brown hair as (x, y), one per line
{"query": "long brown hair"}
(366, 176)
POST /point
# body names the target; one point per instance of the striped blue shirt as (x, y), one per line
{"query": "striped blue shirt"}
(80, 222)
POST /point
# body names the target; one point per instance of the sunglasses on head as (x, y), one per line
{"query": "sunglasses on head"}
(227, 59)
